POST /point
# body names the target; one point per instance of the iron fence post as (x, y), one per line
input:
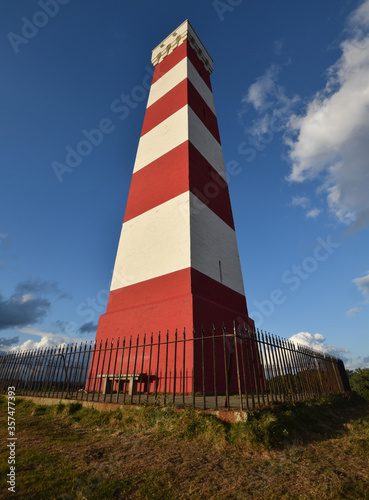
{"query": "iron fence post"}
(193, 369)
(225, 368)
(253, 349)
(114, 369)
(127, 372)
(149, 370)
(166, 368)
(142, 367)
(134, 370)
(157, 371)
(102, 370)
(175, 367)
(203, 367)
(214, 369)
(237, 365)
(97, 367)
(121, 368)
(184, 367)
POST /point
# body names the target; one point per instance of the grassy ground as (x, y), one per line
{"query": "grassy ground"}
(317, 450)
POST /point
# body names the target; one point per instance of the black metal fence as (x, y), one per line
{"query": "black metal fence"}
(234, 370)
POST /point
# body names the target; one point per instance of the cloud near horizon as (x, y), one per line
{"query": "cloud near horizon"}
(89, 327)
(71, 328)
(38, 286)
(20, 310)
(47, 339)
(316, 341)
(5, 343)
(28, 304)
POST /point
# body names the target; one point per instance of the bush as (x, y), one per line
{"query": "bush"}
(359, 381)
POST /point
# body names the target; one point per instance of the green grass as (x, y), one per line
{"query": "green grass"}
(263, 430)
(307, 450)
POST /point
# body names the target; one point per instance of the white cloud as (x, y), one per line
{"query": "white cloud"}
(359, 23)
(27, 297)
(272, 105)
(300, 201)
(316, 341)
(278, 46)
(359, 362)
(353, 312)
(260, 91)
(303, 202)
(313, 213)
(46, 340)
(329, 141)
(363, 286)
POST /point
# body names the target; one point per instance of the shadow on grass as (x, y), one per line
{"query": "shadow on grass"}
(70, 451)
(278, 427)
(300, 423)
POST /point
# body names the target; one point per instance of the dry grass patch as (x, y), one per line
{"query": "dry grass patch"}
(314, 450)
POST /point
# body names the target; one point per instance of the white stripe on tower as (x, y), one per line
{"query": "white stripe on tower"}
(184, 69)
(181, 232)
(166, 239)
(181, 126)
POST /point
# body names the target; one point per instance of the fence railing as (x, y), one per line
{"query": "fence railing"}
(234, 370)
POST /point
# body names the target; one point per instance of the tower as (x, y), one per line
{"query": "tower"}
(177, 264)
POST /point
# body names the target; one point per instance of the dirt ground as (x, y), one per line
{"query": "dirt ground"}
(181, 469)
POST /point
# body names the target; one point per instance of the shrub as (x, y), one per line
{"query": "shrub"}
(359, 381)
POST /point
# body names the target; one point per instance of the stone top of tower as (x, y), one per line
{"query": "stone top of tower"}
(184, 32)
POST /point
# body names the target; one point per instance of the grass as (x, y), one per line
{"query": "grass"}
(309, 450)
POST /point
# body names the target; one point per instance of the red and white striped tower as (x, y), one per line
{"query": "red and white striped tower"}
(177, 264)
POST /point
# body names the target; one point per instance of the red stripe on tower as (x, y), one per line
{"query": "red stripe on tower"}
(148, 189)
(170, 58)
(177, 264)
(182, 94)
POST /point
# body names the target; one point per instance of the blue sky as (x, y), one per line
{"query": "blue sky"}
(291, 90)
